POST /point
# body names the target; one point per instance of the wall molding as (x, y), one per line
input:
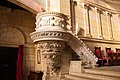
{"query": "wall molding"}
(100, 40)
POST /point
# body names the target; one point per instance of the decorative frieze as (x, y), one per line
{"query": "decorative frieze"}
(51, 21)
(50, 35)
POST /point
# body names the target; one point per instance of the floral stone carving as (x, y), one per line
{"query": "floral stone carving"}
(51, 52)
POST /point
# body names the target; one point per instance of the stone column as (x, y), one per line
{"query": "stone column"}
(50, 38)
(86, 19)
(109, 25)
(99, 22)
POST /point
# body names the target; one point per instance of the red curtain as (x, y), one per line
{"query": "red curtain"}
(19, 73)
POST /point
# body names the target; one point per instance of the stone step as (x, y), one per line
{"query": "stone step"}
(74, 77)
(103, 72)
(89, 76)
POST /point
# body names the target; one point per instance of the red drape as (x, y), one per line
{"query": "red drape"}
(19, 73)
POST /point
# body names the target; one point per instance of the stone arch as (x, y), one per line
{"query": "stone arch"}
(30, 5)
(11, 34)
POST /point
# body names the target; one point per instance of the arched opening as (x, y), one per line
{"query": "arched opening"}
(16, 24)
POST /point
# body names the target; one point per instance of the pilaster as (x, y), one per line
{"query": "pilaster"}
(99, 22)
(86, 9)
(109, 24)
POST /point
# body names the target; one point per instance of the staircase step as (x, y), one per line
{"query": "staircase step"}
(103, 72)
(74, 77)
(89, 76)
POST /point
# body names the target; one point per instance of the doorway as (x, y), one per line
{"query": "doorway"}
(8, 63)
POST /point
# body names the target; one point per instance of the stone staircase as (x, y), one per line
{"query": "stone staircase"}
(88, 59)
(86, 55)
(95, 74)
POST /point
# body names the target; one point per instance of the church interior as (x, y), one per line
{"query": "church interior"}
(59, 39)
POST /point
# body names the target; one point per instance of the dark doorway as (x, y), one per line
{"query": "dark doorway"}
(8, 61)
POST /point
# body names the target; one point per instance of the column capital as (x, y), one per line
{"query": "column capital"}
(118, 15)
(86, 6)
(109, 13)
(98, 10)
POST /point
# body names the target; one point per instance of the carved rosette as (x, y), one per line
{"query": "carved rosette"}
(51, 52)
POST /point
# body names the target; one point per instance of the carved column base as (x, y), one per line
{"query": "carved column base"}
(100, 37)
(111, 39)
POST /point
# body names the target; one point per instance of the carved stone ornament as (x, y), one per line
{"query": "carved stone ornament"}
(49, 21)
(51, 52)
(50, 35)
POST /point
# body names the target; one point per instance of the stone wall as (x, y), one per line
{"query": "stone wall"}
(95, 7)
(105, 12)
(94, 28)
(15, 28)
(93, 22)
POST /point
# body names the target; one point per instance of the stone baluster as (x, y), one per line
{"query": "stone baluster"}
(109, 25)
(86, 9)
(99, 22)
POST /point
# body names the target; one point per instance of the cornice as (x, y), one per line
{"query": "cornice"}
(92, 4)
(100, 40)
(112, 1)
(51, 14)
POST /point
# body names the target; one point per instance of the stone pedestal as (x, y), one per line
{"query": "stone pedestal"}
(75, 67)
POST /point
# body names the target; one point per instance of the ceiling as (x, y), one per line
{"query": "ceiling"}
(8, 4)
(113, 3)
